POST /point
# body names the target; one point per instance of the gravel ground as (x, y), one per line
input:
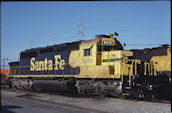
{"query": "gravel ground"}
(108, 105)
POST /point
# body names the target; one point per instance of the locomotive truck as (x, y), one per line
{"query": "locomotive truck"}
(100, 66)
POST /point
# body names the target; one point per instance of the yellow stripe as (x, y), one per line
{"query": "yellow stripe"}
(127, 87)
(126, 94)
(75, 76)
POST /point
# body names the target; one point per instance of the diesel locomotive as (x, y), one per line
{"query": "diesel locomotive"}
(100, 66)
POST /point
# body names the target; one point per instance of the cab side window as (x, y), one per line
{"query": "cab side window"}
(87, 52)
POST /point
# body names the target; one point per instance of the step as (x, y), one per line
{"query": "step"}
(127, 87)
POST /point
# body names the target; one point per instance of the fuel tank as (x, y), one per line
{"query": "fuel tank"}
(54, 85)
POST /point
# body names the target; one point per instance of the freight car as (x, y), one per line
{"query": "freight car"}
(99, 66)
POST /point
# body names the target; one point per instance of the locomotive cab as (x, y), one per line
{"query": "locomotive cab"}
(101, 56)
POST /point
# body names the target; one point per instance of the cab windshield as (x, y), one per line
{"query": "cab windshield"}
(104, 48)
(107, 48)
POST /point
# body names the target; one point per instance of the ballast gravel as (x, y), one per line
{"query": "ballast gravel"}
(107, 105)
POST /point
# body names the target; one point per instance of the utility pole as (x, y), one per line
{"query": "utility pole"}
(80, 30)
(18, 56)
(4, 63)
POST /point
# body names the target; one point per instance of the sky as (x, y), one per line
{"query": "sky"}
(26, 25)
